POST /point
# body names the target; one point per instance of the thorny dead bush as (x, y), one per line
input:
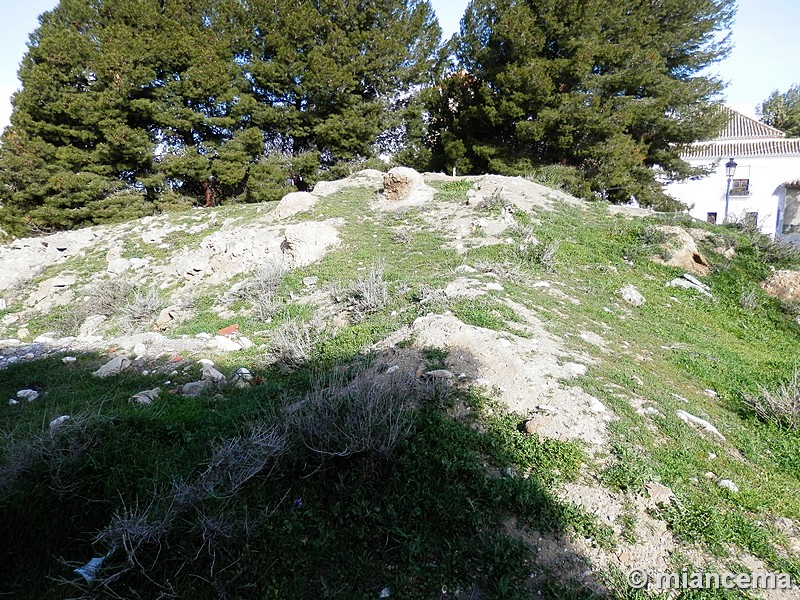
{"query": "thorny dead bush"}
(401, 235)
(135, 530)
(368, 294)
(653, 236)
(781, 405)
(368, 412)
(769, 249)
(504, 270)
(493, 202)
(546, 255)
(59, 449)
(237, 460)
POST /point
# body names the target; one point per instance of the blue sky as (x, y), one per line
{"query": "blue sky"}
(766, 54)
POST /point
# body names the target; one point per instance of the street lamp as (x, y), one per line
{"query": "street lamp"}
(730, 171)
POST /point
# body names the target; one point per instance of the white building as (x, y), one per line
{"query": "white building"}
(764, 187)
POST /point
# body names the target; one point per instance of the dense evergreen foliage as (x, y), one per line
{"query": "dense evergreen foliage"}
(607, 88)
(782, 110)
(126, 104)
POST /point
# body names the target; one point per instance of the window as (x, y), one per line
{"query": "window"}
(711, 218)
(751, 219)
(740, 187)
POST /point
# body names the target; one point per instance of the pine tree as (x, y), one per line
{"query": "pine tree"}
(782, 110)
(610, 88)
(328, 73)
(140, 99)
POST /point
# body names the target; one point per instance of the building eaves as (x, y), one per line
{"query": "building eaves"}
(743, 149)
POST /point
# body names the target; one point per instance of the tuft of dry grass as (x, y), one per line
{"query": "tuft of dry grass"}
(141, 307)
(367, 412)
(260, 290)
(781, 405)
(749, 300)
(292, 345)
(237, 460)
(370, 293)
(108, 297)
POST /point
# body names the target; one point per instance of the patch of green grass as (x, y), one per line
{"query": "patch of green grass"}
(451, 191)
(430, 516)
(630, 471)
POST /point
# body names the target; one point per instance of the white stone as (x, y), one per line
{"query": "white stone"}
(631, 295)
(69, 360)
(58, 421)
(195, 388)
(575, 369)
(206, 362)
(118, 266)
(29, 395)
(113, 367)
(439, 374)
(213, 375)
(698, 422)
(13, 402)
(245, 342)
(226, 344)
(241, 378)
(44, 339)
(596, 406)
(139, 263)
(466, 269)
(293, 203)
(139, 350)
(89, 326)
(147, 396)
(727, 484)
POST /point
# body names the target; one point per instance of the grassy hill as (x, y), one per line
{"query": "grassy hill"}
(444, 398)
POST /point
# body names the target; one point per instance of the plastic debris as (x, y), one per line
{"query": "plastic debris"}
(89, 570)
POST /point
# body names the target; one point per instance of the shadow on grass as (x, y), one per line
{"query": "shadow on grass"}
(191, 501)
